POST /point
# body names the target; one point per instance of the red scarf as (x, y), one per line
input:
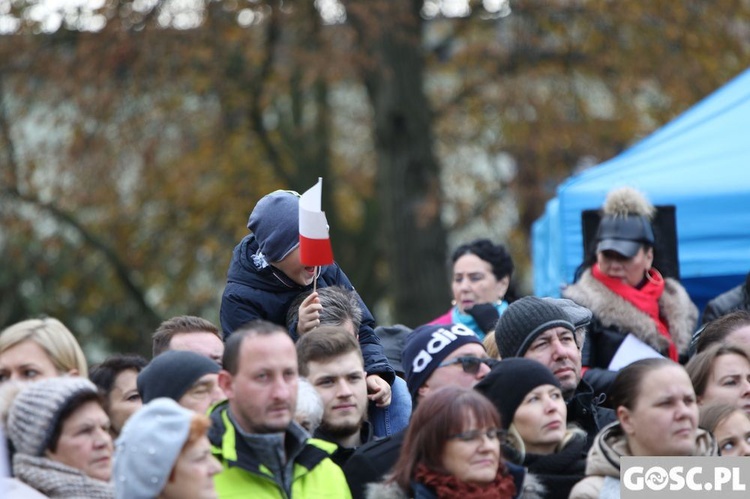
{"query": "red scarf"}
(645, 299)
(450, 487)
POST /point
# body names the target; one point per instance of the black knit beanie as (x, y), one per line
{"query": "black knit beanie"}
(510, 380)
(172, 373)
(524, 320)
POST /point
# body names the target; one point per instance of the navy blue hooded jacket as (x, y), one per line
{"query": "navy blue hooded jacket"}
(257, 290)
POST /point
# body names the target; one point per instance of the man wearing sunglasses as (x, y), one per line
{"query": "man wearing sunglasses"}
(434, 356)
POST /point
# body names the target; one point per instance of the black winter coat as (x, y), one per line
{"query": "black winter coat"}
(259, 291)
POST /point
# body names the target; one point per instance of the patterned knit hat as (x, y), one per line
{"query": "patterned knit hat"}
(35, 411)
(427, 346)
(148, 447)
(275, 223)
(524, 320)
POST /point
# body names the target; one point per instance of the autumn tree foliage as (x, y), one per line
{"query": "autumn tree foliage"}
(135, 137)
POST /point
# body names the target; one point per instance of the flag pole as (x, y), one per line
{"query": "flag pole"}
(315, 279)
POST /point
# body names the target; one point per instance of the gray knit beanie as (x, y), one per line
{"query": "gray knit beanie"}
(35, 412)
(172, 373)
(148, 447)
(275, 223)
(524, 320)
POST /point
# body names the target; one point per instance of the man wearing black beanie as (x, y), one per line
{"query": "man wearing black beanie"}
(186, 377)
(552, 332)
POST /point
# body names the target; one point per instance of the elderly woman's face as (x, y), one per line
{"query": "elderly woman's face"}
(629, 270)
(85, 442)
(26, 361)
(474, 283)
(192, 477)
(474, 455)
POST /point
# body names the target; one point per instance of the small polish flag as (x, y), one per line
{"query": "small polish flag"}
(314, 243)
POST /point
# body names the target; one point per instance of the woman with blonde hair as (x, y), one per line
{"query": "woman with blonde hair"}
(36, 349)
(534, 414)
(730, 425)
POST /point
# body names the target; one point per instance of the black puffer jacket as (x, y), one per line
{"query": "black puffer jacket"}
(256, 290)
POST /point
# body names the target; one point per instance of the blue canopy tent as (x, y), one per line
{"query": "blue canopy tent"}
(700, 163)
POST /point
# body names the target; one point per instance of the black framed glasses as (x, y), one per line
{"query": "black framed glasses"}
(470, 365)
(473, 435)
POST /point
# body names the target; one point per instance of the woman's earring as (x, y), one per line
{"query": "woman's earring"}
(453, 303)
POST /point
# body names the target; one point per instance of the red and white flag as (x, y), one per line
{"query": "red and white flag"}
(314, 243)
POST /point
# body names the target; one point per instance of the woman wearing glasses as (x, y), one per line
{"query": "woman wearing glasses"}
(452, 450)
(36, 349)
(533, 412)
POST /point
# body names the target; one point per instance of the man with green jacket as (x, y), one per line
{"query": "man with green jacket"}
(264, 453)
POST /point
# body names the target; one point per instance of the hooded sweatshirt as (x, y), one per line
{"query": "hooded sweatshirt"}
(603, 465)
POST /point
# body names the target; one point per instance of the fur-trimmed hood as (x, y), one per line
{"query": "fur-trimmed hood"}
(532, 489)
(611, 310)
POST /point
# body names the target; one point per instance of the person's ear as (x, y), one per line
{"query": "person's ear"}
(423, 391)
(225, 383)
(502, 287)
(626, 420)
(649, 258)
(73, 372)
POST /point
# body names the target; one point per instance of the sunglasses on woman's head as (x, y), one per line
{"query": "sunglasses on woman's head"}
(470, 365)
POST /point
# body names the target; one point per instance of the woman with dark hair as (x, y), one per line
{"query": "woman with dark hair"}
(721, 373)
(730, 427)
(657, 415)
(626, 294)
(116, 380)
(481, 275)
(60, 434)
(733, 327)
(451, 450)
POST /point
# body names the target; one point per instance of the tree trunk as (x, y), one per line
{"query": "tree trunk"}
(410, 198)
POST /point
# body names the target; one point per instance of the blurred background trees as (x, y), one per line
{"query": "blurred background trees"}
(136, 136)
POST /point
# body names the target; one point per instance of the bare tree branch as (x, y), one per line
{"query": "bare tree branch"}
(121, 270)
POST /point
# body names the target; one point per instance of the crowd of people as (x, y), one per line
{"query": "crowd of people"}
(299, 394)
